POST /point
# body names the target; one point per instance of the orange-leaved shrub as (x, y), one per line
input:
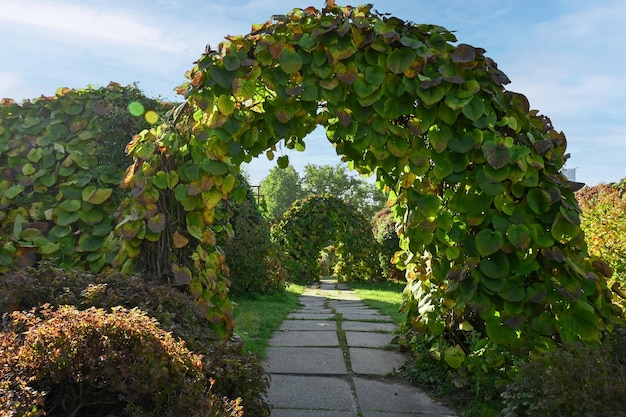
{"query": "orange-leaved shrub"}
(69, 362)
(235, 372)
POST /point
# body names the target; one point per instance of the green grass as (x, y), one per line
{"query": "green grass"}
(384, 296)
(257, 316)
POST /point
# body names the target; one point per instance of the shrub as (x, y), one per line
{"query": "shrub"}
(253, 260)
(604, 223)
(384, 231)
(67, 362)
(573, 381)
(237, 374)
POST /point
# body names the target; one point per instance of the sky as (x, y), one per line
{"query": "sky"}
(566, 56)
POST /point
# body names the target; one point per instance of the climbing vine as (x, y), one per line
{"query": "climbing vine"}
(489, 230)
(318, 221)
(61, 160)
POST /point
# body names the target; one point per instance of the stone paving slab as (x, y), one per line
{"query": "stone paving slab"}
(314, 310)
(392, 396)
(311, 393)
(290, 412)
(311, 316)
(367, 317)
(305, 338)
(310, 325)
(346, 303)
(306, 360)
(368, 361)
(368, 327)
(368, 339)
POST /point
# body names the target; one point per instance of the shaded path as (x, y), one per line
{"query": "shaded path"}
(330, 359)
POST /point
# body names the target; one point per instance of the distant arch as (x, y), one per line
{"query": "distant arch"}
(314, 223)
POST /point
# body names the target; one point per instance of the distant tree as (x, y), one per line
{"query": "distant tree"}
(279, 190)
(336, 180)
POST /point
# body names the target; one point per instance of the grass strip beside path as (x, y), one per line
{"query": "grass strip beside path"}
(384, 296)
(258, 316)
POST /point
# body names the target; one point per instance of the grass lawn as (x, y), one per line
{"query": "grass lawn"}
(384, 296)
(257, 316)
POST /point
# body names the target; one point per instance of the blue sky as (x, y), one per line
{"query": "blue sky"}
(567, 56)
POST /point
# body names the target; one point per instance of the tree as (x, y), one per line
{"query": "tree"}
(336, 180)
(279, 190)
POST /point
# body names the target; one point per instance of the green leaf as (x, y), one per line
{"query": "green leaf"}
(226, 105)
(474, 109)
(243, 89)
(563, 230)
(65, 218)
(91, 216)
(214, 167)
(488, 242)
(13, 191)
(539, 200)
(468, 89)
(231, 62)
(283, 161)
(496, 266)
(454, 356)
(490, 188)
(432, 95)
(28, 169)
(96, 196)
(439, 136)
(290, 61)
(401, 59)
(90, 243)
(70, 205)
(497, 154)
(48, 248)
(519, 236)
(499, 333)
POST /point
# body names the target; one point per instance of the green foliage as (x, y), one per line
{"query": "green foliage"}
(316, 222)
(236, 373)
(61, 160)
(254, 260)
(65, 362)
(603, 220)
(280, 189)
(388, 243)
(573, 381)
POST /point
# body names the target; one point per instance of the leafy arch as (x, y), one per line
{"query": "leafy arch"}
(313, 223)
(490, 231)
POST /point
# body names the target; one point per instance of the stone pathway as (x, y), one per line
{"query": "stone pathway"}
(330, 358)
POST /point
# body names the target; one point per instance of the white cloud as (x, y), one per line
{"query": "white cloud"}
(68, 19)
(9, 83)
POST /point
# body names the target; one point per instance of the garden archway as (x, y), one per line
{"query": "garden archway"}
(490, 234)
(314, 223)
